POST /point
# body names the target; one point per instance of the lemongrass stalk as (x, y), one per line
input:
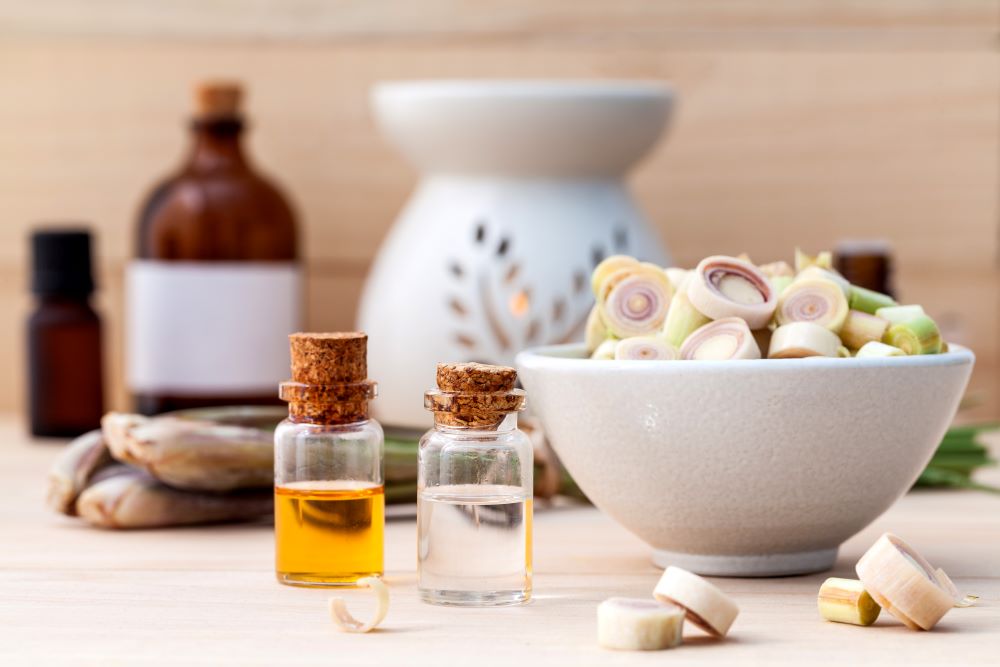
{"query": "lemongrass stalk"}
(869, 301)
(607, 267)
(803, 339)
(644, 348)
(728, 338)
(682, 319)
(877, 349)
(860, 328)
(815, 300)
(897, 314)
(919, 335)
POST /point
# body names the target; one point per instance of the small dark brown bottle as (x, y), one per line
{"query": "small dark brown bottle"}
(866, 263)
(65, 373)
(215, 289)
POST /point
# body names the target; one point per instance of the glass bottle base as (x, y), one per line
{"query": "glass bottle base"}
(475, 598)
(314, 580)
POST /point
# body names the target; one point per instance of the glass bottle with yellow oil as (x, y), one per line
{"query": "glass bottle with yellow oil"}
(329, 485)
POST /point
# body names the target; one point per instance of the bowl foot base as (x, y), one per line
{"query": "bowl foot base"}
(759, 565)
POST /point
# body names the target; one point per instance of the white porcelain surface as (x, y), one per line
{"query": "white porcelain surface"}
(521, 193)
(744, 468)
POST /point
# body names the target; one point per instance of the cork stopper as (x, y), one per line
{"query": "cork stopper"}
(218, 99)
(329, 382)
(474, 395)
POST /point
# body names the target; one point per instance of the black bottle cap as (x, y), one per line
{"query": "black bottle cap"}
(61, 262)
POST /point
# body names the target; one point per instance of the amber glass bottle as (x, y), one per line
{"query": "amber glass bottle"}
(215, 289)
(65, 380)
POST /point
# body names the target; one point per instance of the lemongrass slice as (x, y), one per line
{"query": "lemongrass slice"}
(346, 622)
(946, 583)
(869, 301)
(903, 583)
(877, 349)
(861, 328)
(634, 300)
(682, 320)
(639, 624)
(596, 331)
(676, 276)
(803, 339)
(706, 606)
(846, 601)
(605, 350)
(780, 284)
(824, 274)
(823, 260)
(813, 300)
(607, 267)
(728, 287)
(777, 269)
(897, 314)
(919, 335)
(728, 338)
(644, 348)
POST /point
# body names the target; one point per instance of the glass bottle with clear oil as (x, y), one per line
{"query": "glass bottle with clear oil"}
(474, 502)
(329, 486)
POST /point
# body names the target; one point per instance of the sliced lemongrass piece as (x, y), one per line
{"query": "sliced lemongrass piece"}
(823, 260)
(635, 300)
(682, 320)
(919, 335)
(944, 346)
(346, 622)
(843, 352)
(861, 328)
(897, 314)
(780, 284)
(728, 338)
(813, 300)
(677, 276)
(632, 624)
(903, 583)
(644, 348)
(813, 272)
(607, 267)
(728, 287)
(846, 601)
(605, 350)
(777, 269)
(803, 339)
(705, 605)
(596, 331)
(869, 301)
(946, 583)
(877, 349)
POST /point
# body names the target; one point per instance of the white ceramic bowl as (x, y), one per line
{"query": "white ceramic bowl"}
(744, 468)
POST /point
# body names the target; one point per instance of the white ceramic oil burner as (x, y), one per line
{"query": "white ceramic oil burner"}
(521, 195)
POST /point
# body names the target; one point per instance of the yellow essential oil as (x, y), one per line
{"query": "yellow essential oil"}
(328, 533)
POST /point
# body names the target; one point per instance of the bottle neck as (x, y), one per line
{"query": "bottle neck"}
(444, 422)
(217, 144)
(63, 299)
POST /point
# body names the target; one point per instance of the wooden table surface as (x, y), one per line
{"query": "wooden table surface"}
(73, 594)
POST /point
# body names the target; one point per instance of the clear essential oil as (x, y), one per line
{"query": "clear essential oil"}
(475, 544)
(328, 533)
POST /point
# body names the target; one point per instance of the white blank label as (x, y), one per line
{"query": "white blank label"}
(210, 328)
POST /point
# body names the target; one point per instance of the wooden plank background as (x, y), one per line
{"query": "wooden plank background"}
(798, 123)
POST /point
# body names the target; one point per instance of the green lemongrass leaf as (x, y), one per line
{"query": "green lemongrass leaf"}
(939, 477)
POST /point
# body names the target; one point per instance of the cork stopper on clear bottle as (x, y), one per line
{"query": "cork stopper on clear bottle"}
(474, 395)
(329, 382)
